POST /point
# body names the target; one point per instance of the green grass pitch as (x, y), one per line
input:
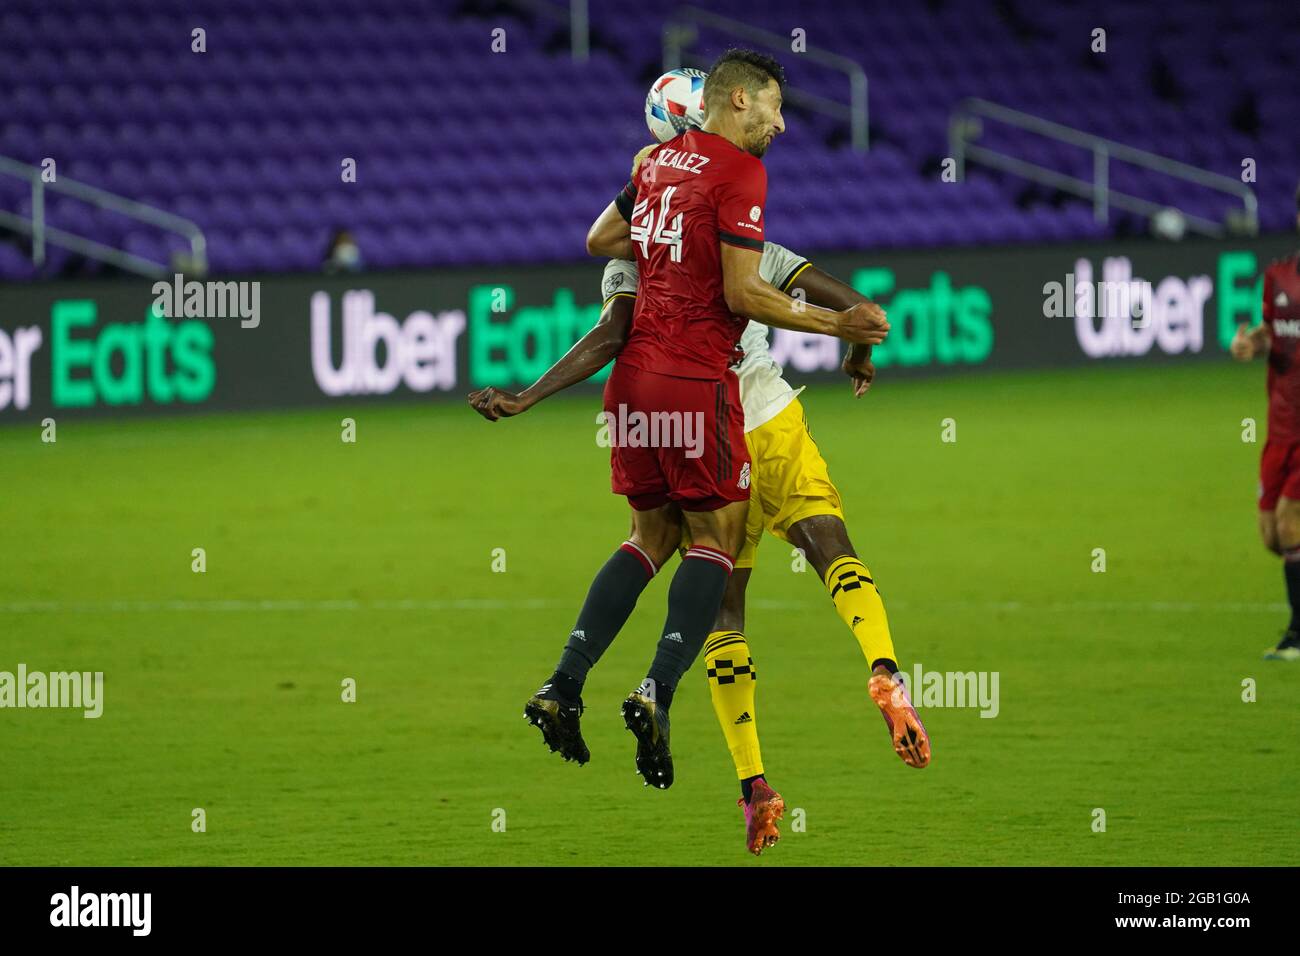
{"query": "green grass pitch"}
(373, 561)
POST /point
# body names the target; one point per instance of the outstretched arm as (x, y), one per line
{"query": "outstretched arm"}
(749, 294)
(588, 356)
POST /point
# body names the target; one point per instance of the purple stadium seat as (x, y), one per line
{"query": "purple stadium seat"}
(463, 158)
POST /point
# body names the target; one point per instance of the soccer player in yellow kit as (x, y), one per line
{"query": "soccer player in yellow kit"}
(792, 497)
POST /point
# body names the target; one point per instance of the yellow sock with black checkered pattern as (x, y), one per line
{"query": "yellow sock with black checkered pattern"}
(859, 604)
(730, 671)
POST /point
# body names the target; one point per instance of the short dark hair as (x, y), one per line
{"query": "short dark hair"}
(747, 68)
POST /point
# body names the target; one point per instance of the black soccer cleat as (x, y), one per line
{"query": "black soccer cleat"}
(559, 723)
(649, 723)
(1288, 649)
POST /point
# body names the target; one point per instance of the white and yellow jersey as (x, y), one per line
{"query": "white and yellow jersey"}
(763, 392)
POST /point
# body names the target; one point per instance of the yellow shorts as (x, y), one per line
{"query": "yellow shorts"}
(789, 479)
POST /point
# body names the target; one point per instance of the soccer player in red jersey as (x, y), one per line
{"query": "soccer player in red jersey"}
(1278, 337)
(693, 219)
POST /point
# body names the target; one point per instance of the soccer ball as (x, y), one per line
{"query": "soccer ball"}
(675, 103)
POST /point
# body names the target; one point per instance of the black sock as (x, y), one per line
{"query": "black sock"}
(566, 687)
(1291, 568)
(610, 600)
(693, 601)
(889, 664)
(661, 694)
(747, 787)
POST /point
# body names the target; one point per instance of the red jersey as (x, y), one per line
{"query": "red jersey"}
(1282, 316)
(691, 193)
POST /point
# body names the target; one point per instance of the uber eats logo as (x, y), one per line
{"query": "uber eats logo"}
(126, 363)
(510, 346)
(937, 324)
(378, 351)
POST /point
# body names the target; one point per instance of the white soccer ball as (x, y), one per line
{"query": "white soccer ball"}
(675, 103)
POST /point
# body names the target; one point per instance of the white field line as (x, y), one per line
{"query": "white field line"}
(535, 604)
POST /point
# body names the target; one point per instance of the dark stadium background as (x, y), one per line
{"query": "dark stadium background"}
(466, 147)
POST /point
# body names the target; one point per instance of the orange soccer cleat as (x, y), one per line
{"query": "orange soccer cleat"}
(911, 742)
(764, 810)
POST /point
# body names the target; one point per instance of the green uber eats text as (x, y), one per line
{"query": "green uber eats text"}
(125, 361)
(936, 325)
(514, 348)
(1240, 293)
(939, 324)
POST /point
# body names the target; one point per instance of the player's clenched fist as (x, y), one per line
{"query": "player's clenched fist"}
(864, 323)
(1242, 348)
(493, 403)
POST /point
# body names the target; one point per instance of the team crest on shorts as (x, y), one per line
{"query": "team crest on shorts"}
(743, 482)
(612, 283)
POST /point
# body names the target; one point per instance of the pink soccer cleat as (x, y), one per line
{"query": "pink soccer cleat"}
(911, 742)
(764, 809)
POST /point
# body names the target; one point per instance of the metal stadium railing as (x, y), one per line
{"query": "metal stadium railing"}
(965, 125)
(682, 29)
(42, 233)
